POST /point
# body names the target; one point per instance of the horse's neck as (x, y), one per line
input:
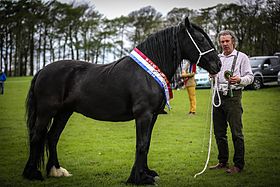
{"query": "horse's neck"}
(170, 71)
(162, 49)
(167, 67)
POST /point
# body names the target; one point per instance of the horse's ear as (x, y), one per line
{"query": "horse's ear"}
(187, 22)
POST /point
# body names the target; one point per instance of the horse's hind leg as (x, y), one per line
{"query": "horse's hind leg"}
(37, 141)
(53, 167)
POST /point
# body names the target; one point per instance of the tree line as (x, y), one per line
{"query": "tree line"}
(34, 33)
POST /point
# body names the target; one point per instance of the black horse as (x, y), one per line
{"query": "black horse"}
(119, 91)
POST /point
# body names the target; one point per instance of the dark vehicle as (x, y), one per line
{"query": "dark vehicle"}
(278, 80)
(265, 69)
(277, 54)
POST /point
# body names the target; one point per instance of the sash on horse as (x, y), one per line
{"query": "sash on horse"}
(150, 67)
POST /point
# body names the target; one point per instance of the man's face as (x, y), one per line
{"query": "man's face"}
(227, 44)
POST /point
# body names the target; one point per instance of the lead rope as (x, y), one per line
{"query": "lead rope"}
(215, 91)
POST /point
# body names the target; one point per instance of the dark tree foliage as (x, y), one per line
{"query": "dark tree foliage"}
(34, 33)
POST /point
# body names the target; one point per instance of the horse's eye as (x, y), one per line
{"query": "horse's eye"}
(200, 38)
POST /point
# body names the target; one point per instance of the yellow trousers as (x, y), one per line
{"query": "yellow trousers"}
(192, 98)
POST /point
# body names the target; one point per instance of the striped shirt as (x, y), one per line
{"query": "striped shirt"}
(242, 69)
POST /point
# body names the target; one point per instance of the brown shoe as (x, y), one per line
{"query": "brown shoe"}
(219, 166)
(233, 170)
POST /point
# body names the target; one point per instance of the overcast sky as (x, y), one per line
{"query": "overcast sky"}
(116, 8)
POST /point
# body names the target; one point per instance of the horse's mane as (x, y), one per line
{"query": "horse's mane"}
(158, 47)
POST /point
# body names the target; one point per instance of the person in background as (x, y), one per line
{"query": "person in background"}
(2, 80)
(188, 74)
(234, 75)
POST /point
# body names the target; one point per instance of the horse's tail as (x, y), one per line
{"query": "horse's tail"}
(36, 137)
(30, 106)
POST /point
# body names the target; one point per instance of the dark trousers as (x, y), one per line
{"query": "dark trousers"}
(230, 112)
(1, 87)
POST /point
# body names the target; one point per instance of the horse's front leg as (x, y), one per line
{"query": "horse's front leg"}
(139, 170)
(150, 130)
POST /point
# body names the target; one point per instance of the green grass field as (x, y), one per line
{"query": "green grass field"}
(102, 153)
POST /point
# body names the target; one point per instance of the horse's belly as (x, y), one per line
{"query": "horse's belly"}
(104, 110)
(107, 117)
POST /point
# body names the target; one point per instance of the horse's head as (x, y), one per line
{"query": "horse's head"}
(197, 47)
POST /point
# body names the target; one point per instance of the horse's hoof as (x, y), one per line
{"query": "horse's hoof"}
(156, 178)
(32, 174)
(144, 180)
(151, 173)
(59, 172)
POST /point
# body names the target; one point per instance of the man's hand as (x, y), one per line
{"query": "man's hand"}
(187, 75)
(234, 80)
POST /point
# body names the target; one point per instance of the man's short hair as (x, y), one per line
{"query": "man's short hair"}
(228, 32)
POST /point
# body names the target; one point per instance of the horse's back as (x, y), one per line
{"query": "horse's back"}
(79, 86)
(104, 92)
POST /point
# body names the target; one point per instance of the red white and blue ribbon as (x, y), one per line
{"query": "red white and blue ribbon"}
(192, 68)
(150, 67)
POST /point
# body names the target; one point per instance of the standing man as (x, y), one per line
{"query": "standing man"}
(2, 80)
(234, 75)
(188, 74)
